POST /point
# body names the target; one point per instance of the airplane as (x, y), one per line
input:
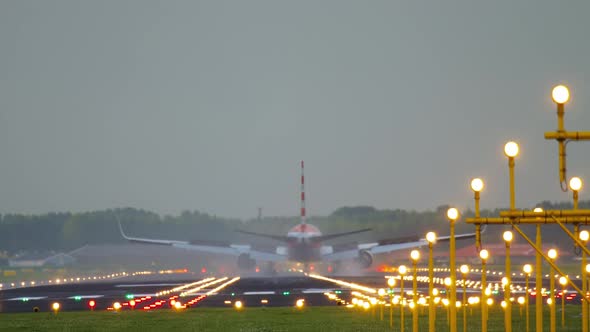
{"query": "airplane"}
(302, 244)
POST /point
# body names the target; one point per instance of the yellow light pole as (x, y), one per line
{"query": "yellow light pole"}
(561, 95)
(453, 216)
(484, 255)
(381, 293)
(575, 186)
(511, 151)
(415, 255)
(552, 254)
(402, 269)
(584, 236)
(527, 269)
(538, 277)
(508, 312)
(477, 186)
(464, 270)
(448, 283)
(431, 238)
(391, 284)
(521, 301)
(563, 283)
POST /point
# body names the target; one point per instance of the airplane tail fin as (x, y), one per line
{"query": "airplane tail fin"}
(121, 228)
(303, 214)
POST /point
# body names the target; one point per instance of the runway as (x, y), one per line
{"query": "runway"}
(149, 292)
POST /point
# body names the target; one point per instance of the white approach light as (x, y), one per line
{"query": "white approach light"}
(477, 184)
(560, 94)
(431, 237)
(453, 214)
(484, 254)
(575, 183)
(511, 149)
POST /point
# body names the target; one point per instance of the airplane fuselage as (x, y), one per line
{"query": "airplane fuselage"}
(303, 244)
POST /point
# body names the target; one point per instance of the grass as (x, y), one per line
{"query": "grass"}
(263, 319)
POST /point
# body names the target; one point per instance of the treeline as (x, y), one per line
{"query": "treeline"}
(68, 231)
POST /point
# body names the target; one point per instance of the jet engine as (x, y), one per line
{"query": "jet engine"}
(365, 258)
(245, 262)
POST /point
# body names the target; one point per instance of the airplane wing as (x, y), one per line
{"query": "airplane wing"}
(386, 246)
(268, 236)
(333, 236)
(210, 247)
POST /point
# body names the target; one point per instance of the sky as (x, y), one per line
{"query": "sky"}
(211, 105)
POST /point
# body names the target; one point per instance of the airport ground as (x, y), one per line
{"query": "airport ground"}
(208, 303)
(323, 318)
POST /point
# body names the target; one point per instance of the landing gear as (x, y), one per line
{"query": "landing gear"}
(335, 267)
(269, 269)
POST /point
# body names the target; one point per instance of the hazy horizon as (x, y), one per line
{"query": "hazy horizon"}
(210, 106)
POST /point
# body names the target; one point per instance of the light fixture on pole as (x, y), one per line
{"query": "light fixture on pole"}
(527, 269)
(575, 186)
(391, 284)
(508, 312)
(381, 293)
(584, 236)
(464, 271)
(453, 216)
(402, 270)
(484, 255)
(477, 186)
(415, 255)
(552, 254)
(448, 282)
(539, 275)
(561, 95)
(511, 150)
(431, 238)
(563, 283)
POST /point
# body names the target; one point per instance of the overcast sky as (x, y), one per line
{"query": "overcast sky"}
(210, 105)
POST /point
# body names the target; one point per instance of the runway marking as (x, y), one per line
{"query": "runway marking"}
(260, 293)
(146, 285)
(85, 296)
(344, 283)
(27, 298)
(316, 291)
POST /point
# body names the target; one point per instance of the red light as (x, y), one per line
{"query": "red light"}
(330, 268)
(91, 304)
(203, 270)
(311, 268)
(257, 269)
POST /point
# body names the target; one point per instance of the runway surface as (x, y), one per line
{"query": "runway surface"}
(191, 290)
